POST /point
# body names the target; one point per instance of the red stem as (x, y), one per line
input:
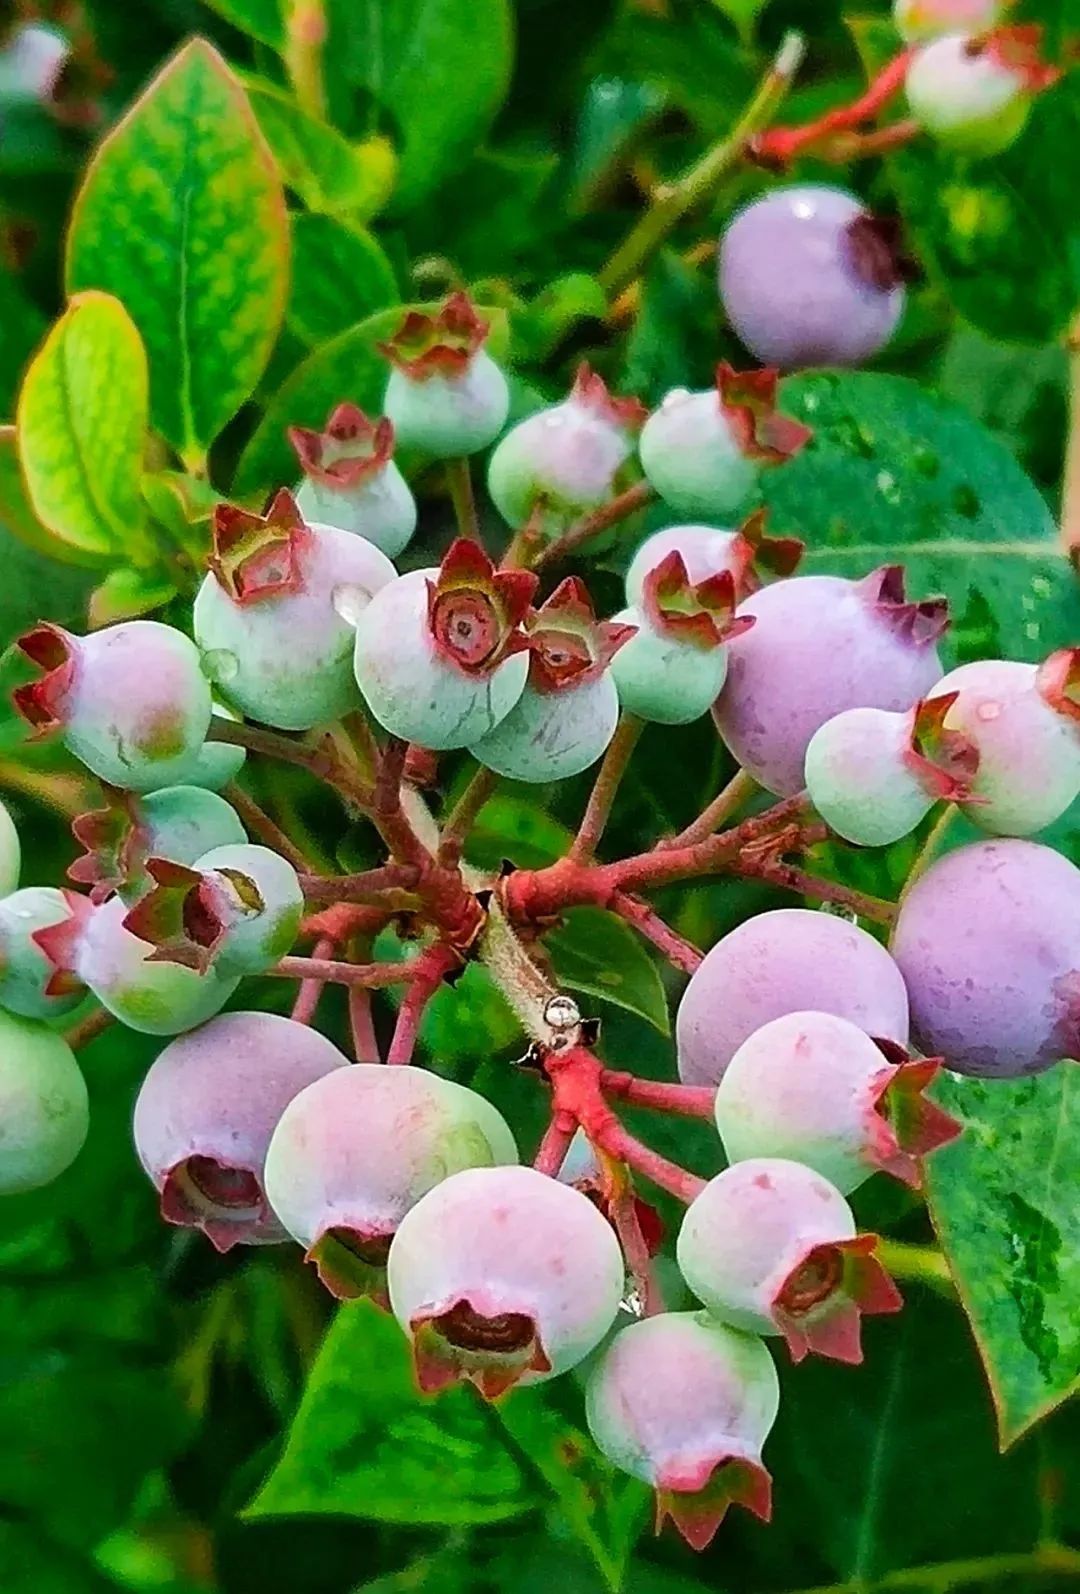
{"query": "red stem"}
(555, 1144)
(366, 887)
(627, 503)
(680, 953)
(307, 997)
(619, 1142)
(259, 822)
(365, 1044)
(425, 976)
(89, 1028)
(688, 1101)
(623, 1211)
(329, 971)
(780, 145)
(790, 878)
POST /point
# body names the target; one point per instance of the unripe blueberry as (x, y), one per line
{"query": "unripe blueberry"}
(207, 1110)
(815, 1088)
(501, 1276)
(1024, 722)
(130, 701)
(351, 481)
(873, 775)
(237, 911)
(707, 551)
(359, 1147)
(10, 853)
(674, 664)
(440, 654)
(30, 983)
(770, 1246)
(988, 942)
(685, 1404)
(43, 1105)
(918, 20)
(275, 615)
(564, 460)
(126, 976)
(446, 395)
(179, 824)
(216, 763)
(704, 452)
(809, 277)
(31, 64)
(568, 711)
(780, 962)
(822, 644)
(974, 93)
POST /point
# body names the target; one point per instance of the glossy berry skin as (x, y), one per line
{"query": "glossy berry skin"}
(685, 1404)
(805, 280)
(25, 970)
(282, 655)
(156, 998)
(207, 1110)
(857, 781)
(771, 1247)
(356, 1149)
(817, 1090)
(988, 942)
(919, 20)
(43, 1105)
(502, 1275)
(819, 645)
(411, 688)
(554, 735)
(131, 702)
(10, 853)
(781, 962)
(1029, 751)
(661, 678)
(178, 823)
(968, 99)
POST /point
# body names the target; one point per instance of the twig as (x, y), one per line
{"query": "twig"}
(623, 1211)
(619, 1142)
(317, 761)
(334, 972)
(620, 508)
(922, 1264)
(780, 145)
(680, 953)
(739, 789)
(555, 1144)
(425, 976)
(259, 822)
(687, 1101)
(89, 1028)
(370, 886)
(461, 818)
(930, 849)
(459, 480)
(307, 997)
(606, 785)
(791, 878)
(365, 1043)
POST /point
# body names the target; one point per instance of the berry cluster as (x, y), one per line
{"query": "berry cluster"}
(793, 1031)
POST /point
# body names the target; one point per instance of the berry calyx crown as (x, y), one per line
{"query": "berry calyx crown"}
(351, 449)
(43, 703)
(477, 1339)
(904, 1126)
(820, 1304)
(442, 344)
(701, 614)
(1017, 50)
(115, 843)
(257, 557)
(780, 556)
(225, 1201)
(919, 623)
(187, 915)
(475, 611)
(59, 943)
(568, 645)
(696, 1492)
(748, 403)
(1058, 681)
(945, 762)
(591, 392)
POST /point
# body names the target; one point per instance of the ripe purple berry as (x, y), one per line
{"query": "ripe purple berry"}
(873, 775)
(974, 93)
(809, 277)
(207, 1110)
(707, 552)
(918, 20)
(822, 644)
(685, 1404)
(29, 982)
(781, 962)
(567, 459)
(988, 942)
(351, 481)
(704, 452)
(771, 1247)
(440, 655)
(446, 396)
(131, 701)
(359, 1147)
(275, 615)
(501, 1276)
(568, 711)
(44, 1108)
(815, 1088)
(179, 824)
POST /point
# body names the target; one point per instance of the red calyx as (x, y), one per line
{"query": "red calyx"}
(920, 623)
(442, 344)
(569, 646)
(115, 844)
(60, 944)
(779, 555)
(875, 251)
(187, 915)
(43, 703)
(748, 402)
(473, 1341)
(904, 1126)
(592, 393)
(1018, 50)
(945, 762)
(475, 611)
(227, 1203)
(696, 1495)
(702, 615)
(1058, 681)
(350, 450)
(258, 556)
(820, 1305)
(351, 1263)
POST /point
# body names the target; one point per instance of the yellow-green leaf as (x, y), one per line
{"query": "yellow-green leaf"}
(329, 173)
(81, 426)
(182, 215)
(17, 513)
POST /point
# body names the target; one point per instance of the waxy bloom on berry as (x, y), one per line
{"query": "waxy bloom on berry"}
(446, 395)
(745, 554)
(275, 616)
(179, 824)
(207, 1110)
(10, 852)
(502, 1276)
(974, 94)
(44, 1108)
(351, 481)
(704, 452)
(771, 1247)
(30, 983)
(440, 655)
(685, 1404)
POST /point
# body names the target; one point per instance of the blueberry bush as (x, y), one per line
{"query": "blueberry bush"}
(539, 852)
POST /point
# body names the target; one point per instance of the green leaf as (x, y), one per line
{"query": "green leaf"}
(898, 475)
(438, 69)
(330, 174)
(181, 215)
(517, 829)
(348, 367)
(365, 1443)
(82, 427)
(17, 513)
(595, 952)
(262, 20)
(340, 275)
(125, 594)
(1004, 1202)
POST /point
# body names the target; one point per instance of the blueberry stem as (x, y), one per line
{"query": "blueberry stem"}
(610, 514)
(605, 787)
(459, 481)
(461, 818)
(780, 145)
(680, 953)
(307, 997)
(425, 976)
(552, 1150)
(88, 1028)
(259, 822)
(687, 1101)
(331, 971)
(738, 791)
